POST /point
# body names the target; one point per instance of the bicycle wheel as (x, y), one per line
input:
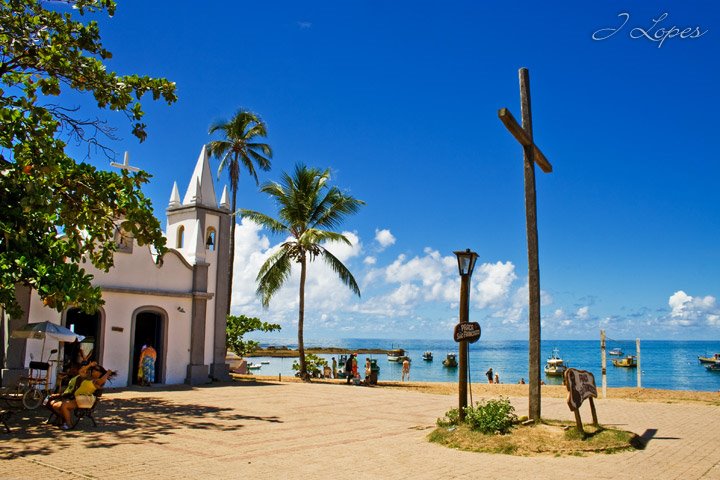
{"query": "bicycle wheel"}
(32, 399)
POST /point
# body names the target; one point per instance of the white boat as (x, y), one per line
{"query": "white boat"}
(427, 356)
(396, 355)
(450, 361)
(555, 366)
(265, 362)
(616, 351)
(254, 366)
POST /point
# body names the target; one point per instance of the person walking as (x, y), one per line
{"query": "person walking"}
(489, 374)
(146, 368)
(355, 366)
(349, 369)
(334, 368)
(405, 369)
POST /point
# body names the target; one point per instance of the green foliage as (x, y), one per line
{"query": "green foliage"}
(451, 418)
(491, 416)
(313, 364)
(238, 326)
(309, 211)
(239, 147)
(57, 213)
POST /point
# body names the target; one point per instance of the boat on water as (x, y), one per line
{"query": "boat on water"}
(253, 366)
(616, 351)
(713, 367)
(555, 366)
(450, 361)
(628, 362)
(427, 356)
(396, 355)
(265, 362)
(714, 359)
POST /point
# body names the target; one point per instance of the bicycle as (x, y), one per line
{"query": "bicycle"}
(36, 386)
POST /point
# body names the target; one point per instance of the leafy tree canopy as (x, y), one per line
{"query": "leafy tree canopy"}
(58, 213)
(238, 326)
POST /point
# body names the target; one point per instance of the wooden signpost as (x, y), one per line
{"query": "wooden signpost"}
(532, 155)
(581, 386)
(469, 332)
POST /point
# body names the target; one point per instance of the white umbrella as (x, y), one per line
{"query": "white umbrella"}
(44, 330)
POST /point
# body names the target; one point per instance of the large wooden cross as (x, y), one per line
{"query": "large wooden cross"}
(531, 156)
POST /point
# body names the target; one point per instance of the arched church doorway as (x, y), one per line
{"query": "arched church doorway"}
(85, 324)
(148, 329)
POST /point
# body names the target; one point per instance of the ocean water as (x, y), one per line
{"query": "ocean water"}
(670, 365)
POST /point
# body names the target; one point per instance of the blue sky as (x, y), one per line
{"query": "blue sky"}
(400, 100)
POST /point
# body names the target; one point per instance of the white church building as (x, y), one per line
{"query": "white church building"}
(177, 302)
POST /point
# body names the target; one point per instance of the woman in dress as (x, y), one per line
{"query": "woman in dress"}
(146, 368)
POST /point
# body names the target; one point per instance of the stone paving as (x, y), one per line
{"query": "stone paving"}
(326, 431)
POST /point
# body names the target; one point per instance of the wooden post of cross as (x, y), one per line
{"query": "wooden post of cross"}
(531, 155)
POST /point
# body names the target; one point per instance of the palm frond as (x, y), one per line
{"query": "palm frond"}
(264, 220)
(273, 274)
(332, 209)
(315, 236)
(342, 271)
(239, 133)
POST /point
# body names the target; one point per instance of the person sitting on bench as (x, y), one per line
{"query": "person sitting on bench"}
(92, 376)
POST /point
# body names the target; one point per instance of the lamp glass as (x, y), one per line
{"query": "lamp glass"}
(466, 261)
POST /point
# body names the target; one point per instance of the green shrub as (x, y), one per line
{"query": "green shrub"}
(452, 417)
(491, 416)
(313, 363)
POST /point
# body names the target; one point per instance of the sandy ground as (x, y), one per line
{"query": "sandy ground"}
(514, 390)
(292, 430)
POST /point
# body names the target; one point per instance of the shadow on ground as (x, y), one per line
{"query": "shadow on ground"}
(119, 421)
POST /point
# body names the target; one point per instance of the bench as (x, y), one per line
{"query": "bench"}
(11, 401)
(80, 413)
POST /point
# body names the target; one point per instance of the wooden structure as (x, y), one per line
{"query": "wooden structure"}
(581, 386)
(531, 155)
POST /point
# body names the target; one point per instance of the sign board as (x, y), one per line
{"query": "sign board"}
(469, 332)
(580, 385)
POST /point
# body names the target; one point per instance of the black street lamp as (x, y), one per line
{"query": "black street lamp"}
(466, 263)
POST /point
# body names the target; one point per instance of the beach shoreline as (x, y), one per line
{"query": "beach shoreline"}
(285, 352)
(484, 390)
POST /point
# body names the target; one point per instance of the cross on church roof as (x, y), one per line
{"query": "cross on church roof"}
(125, 165)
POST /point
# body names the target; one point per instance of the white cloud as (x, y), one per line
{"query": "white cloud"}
(384, 238)
(324, 292)
(493, 282)
(686, 310)
(420, 291)
(583, 313)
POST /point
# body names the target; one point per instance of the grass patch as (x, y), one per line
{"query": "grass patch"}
(546, 438)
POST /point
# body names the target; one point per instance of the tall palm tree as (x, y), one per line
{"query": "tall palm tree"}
(309, 210)
(239, 147)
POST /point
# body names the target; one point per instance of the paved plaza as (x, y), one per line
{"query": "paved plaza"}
(330, 431)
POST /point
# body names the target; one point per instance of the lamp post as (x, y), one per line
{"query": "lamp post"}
(466, 263)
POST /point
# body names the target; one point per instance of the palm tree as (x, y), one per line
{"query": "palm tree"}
(309, 210)
(239, 147)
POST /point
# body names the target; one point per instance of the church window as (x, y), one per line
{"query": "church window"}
(180, 237)
(210, 239)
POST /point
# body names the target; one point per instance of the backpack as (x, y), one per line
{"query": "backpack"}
(72, 387)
